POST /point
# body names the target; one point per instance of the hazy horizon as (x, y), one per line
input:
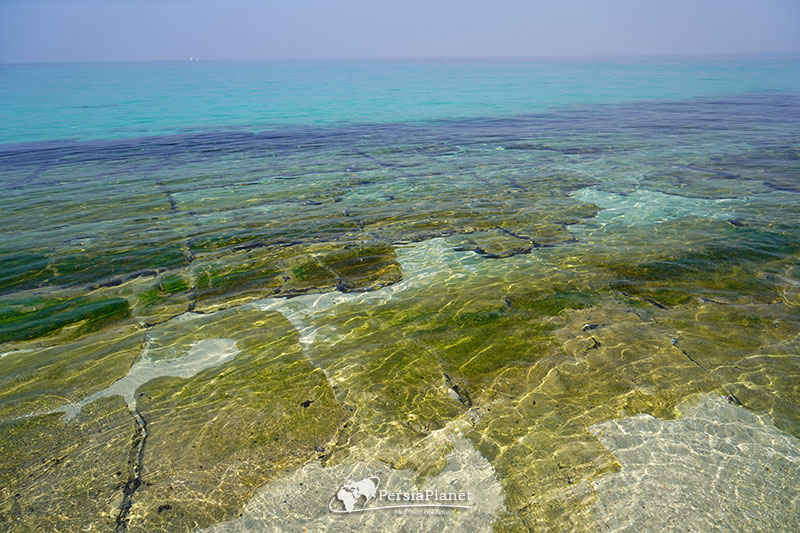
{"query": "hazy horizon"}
(415, 58)
(52, 31)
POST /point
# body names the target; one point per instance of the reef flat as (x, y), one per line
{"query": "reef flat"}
(214, 330)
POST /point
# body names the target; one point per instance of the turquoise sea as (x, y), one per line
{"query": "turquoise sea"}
(95, 101)
(569, 287)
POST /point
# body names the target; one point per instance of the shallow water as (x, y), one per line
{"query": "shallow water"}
(202, 355)
(549, 301)
(717, 466)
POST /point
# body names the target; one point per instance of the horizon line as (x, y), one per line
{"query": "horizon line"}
(406, 58)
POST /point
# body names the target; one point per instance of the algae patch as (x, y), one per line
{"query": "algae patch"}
(28, 319)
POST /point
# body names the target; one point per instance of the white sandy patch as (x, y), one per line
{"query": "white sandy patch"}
(202, 355)
(719, 467)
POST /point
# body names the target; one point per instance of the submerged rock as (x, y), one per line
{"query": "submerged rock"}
(292, 331)
(214, 437)
(58, 476)
(249, 275)
(38, 379)
(36, 317)
(497, 244)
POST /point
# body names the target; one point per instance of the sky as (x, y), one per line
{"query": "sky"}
(131, 30)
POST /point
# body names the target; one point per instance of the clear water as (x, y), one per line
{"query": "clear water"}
(510, 273)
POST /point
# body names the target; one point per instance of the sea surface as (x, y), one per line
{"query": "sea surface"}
(569, 287)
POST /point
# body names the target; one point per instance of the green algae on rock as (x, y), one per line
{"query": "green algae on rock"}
(491, 295)
(21, 270)
(496, 244)
(234, 278)
(36, 317)
(58, 476)
(232, 427)
(754, 357)
(36, 379)
(534, 423)
(158, 300)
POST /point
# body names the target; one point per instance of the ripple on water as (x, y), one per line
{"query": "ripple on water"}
(202, 355)
(717, 466)
(299, 500)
